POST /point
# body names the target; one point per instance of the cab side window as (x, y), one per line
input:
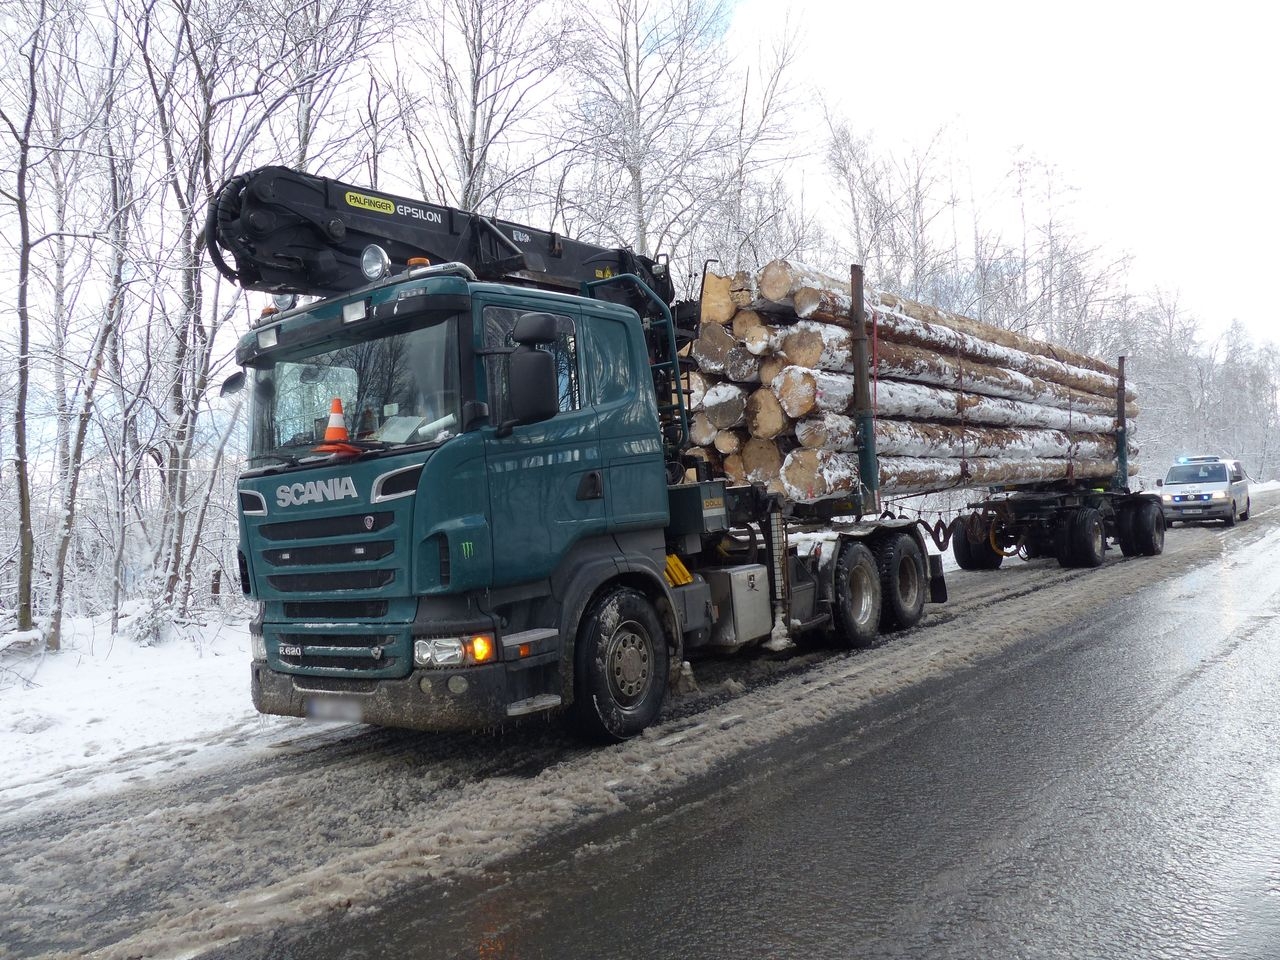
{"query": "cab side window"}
(499, 322)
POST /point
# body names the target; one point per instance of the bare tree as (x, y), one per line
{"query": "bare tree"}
(469, 109)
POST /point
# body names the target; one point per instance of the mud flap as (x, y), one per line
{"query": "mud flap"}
(937, 583)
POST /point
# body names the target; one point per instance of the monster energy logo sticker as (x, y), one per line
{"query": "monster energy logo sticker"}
(468, 549)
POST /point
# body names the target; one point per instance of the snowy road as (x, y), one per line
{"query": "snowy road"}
(329, 826)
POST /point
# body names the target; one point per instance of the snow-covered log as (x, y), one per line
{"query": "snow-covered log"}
(724, 405)
(812, 474)
(719, 353)
(900, 438)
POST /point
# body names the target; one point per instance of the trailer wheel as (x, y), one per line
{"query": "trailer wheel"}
(1125, 535)
(857, 598)
(1063, 545)
(1088, 538)
(1148, 530)
(620, 667)
(974, 554)
(902, 582)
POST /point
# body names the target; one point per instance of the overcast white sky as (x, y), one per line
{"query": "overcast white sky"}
(1164, 115)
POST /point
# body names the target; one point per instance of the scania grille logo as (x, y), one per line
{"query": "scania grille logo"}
(315, 491)
(368, 523)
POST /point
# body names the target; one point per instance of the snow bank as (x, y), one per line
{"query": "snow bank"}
(67, 717)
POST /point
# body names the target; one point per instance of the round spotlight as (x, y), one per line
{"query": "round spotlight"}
(285, 301)
(374, 262)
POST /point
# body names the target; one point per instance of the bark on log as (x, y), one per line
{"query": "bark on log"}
(812, 474)
(765, 416)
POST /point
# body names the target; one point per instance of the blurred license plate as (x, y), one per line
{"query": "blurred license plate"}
(1194, 510)
(333, 708)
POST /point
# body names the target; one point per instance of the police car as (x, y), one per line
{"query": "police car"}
(1205, 488)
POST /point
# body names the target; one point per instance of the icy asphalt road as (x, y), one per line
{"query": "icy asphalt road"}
(1109, 786)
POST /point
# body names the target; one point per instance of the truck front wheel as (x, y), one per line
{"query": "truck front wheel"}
(620, 667)
(856, 609)
(902, 582)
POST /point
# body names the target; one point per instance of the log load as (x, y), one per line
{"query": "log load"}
(956, 401)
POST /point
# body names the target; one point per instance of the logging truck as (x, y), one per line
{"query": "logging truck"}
(471, 496)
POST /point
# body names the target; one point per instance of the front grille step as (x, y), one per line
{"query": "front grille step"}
(335, 609)
(345, 526)
(327, 582)
(329, 553)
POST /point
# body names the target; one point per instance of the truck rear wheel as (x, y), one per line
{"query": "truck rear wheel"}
(1148, 530)
(620, 667)
(974, 553)
(1088, 540)
(1125, 535)
(857, 600)
(902, 581)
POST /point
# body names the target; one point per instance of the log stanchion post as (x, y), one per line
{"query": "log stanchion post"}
(864, 413)
(1121, 481)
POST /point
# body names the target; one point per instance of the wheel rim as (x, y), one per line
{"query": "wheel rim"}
(908, 583)
(1095, 540)
(629, 663)
(861, 587)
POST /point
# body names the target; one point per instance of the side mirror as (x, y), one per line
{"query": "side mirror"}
(532, 388)
(233, 384)
(1159, 483)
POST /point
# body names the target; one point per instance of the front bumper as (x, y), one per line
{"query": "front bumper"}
(472, 698)
(1197, 510)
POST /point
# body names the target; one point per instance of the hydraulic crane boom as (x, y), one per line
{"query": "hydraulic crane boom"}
(291, 232)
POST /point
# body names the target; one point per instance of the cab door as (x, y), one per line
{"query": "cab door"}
(546, 489)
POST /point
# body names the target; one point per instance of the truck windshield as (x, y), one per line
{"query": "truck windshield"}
(397, 390)
(1197, 473)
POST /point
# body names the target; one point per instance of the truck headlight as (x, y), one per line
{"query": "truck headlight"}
(455, 651)
(258, 646)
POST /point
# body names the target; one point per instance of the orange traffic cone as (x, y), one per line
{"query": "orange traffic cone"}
(335, 434)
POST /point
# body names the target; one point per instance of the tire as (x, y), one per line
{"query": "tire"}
(1088, 539)
(1248, 505)
(1124, 531)
(902, 582)
(620, 667)
(973, 555)
(1148, 530)
(1063, 544)
(857, 601)
(1230, 519)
